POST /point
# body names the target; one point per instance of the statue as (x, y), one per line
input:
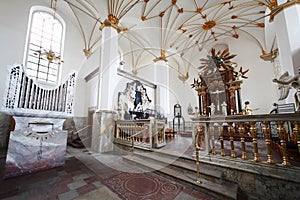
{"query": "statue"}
(212, 109)
(285, 83)
(247, 110)
(190, 109)
(224, 108)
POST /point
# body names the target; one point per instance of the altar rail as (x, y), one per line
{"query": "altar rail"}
(140, 133)
(257, 136)
(25, 95)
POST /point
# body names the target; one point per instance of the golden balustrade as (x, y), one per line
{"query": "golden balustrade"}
(296, 131)
(231, 132)
(241, 130)
(255, 137)
(253, 132)
(198, 145)
(267, 135)
(281, 133)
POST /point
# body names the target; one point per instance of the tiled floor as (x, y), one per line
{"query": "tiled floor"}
(84, 176)
(88, 175)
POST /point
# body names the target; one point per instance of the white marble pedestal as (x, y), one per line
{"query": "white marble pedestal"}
(35, 146)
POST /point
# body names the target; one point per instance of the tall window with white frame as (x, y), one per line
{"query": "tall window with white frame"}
(44, 48)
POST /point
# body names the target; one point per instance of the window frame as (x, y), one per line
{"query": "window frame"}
(33, 11)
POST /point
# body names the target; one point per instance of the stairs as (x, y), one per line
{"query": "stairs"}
(183, 170)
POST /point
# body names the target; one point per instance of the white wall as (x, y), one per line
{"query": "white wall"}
(14, 16)
(258, 88)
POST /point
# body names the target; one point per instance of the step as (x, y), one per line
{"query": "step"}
(174, 171)
(185, 165)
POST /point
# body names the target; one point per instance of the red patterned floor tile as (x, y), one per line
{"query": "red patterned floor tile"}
(86, 189)
(65, 181)
(59, 189)
(91, 179)
(136, 186)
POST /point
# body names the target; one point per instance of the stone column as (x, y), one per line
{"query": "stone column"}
(108, 69)
(104, 118)
(161, 76)
(287, 27)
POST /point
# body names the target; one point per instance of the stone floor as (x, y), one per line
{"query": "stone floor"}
(88, 175)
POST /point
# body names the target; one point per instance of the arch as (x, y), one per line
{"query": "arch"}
(44, 45)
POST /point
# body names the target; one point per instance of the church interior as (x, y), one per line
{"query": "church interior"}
(150, 99)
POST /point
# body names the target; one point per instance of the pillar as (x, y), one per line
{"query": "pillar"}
(105, 116)
(161, 77)
(287, 26)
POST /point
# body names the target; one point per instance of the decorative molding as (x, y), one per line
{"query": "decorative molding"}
(108, 23)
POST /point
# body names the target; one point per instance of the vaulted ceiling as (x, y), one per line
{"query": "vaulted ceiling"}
(168, 30)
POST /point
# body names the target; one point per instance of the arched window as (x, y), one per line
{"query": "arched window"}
(44, 46)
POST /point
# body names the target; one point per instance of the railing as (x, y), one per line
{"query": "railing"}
(24, 95)
(256, 137)
(141, 133)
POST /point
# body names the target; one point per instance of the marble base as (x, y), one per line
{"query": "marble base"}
(5, 126)
(103, 131)
(39, 146)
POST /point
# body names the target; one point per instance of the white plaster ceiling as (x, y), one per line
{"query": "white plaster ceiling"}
(180, 28)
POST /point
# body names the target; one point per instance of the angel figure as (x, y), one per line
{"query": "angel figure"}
(285, 83)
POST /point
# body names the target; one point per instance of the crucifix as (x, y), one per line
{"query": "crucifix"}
(217, 95)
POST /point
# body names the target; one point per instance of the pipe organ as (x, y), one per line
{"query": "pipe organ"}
(24, 94)
(38, 141)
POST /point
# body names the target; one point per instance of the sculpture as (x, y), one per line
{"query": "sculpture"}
(247, 110)
(285, 83)
(212, 109)
(224, 108)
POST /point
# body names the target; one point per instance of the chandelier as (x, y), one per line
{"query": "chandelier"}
(51, 56)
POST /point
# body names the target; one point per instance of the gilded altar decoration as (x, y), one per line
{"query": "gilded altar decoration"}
(218, 84)
(200, 137)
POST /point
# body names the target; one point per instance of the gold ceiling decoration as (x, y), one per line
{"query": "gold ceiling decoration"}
(278, 8)
(186, 27)
(83, 11)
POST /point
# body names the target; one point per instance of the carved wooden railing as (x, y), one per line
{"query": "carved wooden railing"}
(25, 95)
(140, 133)
(255, 137)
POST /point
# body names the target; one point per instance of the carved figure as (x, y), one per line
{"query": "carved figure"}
(247, 110)
(212, 109)
(224, 108)
(285, 83)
